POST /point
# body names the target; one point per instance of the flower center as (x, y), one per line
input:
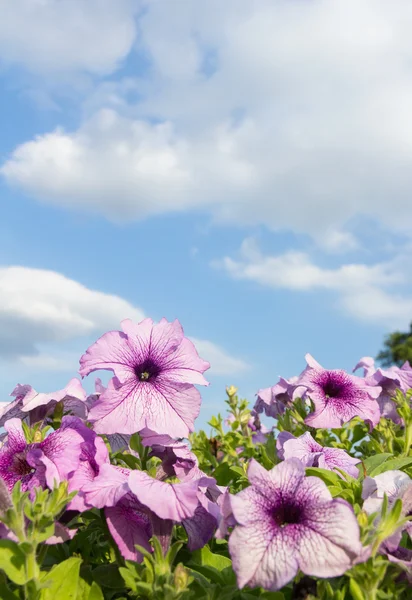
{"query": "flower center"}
(286, 514)
(20, 466)
(333, 385)
(146, 371)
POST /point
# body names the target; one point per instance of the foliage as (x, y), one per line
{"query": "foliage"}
(397, 348)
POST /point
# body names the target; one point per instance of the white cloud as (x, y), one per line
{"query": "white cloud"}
(301, 120)
(41, 311)
(46, 36)
(366, 292)
(40, 306)
(50, 363)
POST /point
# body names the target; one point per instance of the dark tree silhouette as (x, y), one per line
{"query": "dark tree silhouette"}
(397, 348)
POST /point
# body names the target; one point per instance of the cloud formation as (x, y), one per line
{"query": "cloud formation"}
(41, 311)
(291, 114)
(370, 293)
(58, 36)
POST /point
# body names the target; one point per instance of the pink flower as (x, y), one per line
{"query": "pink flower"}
(286, 522)
(312, 454)
(155, 370)
(338, 397)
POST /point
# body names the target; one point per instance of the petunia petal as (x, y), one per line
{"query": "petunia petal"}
(168, 501)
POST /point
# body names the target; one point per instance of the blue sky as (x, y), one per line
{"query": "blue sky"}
(243, 167)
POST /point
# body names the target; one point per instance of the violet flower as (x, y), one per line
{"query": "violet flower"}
(177, 458)
(274, 400)
(127, 519)
(93, 455)
(201, 527)
(33, 406)
(338, 397)
(260, 431)
(286, 522)
(144, 506)
(225, 518)
(44, 463)
(155, 370)
(389, 380)
(312, 454)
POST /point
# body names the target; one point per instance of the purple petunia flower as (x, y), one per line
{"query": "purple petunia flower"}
(33, 406)
(177, 458)
(389, 380)
(312, 454)
(129, 522)
(338, 397)
(225, 518)
(155, 370)
(93, 455)
(273, 401)
(44, 463)
(286, 522)
(138, 506)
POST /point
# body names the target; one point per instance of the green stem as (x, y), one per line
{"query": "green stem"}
(408, 439)
(32, 574)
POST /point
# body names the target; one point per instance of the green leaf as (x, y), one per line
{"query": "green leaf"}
(347, 495)
(393, 464)
(271, 448)
(83, 590)
(355, 590)
(95, 592)
(334, 490)
(62, 580)
(6, 594)
(223, 474)
(329, 477)
(207, 558)
(108, 576)
(238, 471)
(373, 462)
(210, 573)
(13, 561)
(128, 578)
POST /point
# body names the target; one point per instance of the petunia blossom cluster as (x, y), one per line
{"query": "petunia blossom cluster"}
(313, 484)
